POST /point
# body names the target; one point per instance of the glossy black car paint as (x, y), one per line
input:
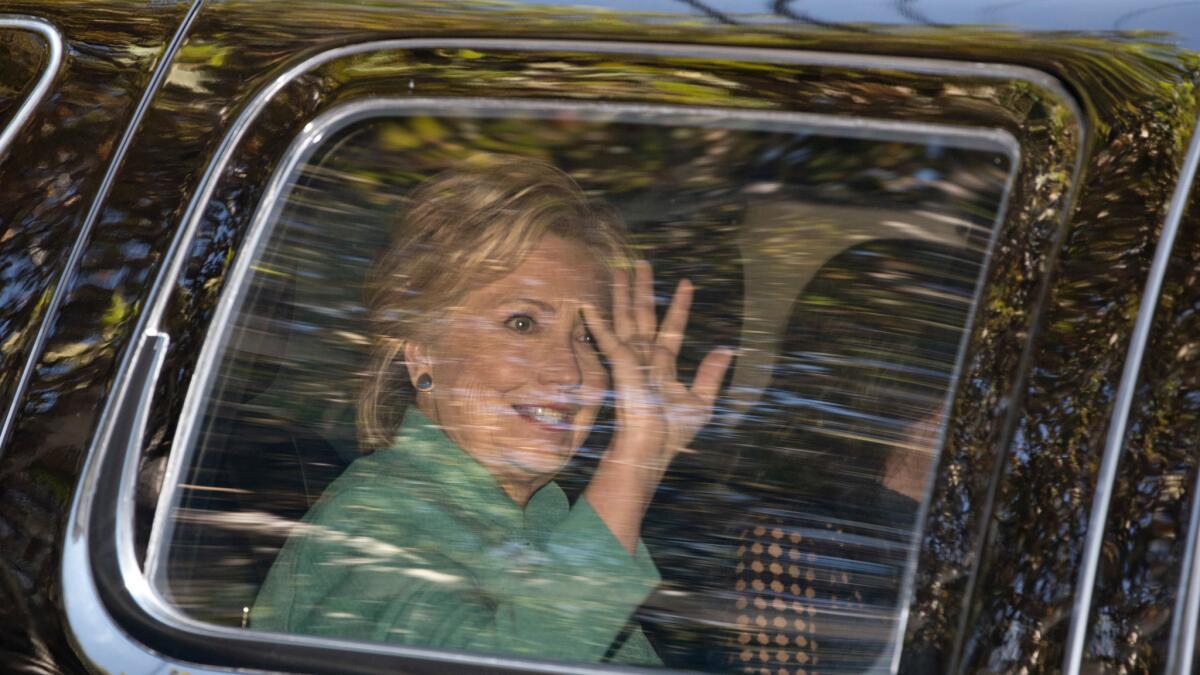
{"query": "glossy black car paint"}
(1005, 532)
(49, 178)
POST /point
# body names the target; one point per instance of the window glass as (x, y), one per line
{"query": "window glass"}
(450, 408)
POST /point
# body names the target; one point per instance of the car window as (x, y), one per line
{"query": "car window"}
(326, 489)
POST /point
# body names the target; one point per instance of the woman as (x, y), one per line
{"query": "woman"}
(485, 378)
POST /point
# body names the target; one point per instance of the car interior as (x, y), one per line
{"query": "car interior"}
(778, 543)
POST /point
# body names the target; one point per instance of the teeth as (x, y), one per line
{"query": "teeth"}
(548, 416)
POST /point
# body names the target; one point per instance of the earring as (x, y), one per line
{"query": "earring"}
(424, 382)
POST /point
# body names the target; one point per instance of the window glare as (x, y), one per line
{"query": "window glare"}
(837, 276)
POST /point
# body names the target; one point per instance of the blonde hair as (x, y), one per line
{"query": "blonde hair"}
(461, 230)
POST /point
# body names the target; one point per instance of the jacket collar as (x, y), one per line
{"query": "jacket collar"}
(432, 464)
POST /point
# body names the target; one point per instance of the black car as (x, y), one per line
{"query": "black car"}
(952, 249)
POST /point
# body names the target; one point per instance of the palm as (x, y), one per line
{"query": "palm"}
(657, 415)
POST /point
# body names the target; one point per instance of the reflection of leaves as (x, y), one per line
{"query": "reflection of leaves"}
(210, 55)
(694, 91)
(80, 353)
(683, 191)
(396, 138)
(117, 313)
(73, 350)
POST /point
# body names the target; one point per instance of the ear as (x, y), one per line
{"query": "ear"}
(416, 358)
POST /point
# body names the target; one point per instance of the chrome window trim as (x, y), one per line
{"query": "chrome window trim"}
(1114, 442)
(54, 42)
(1184, 620)
(77, 564)
(89, 627)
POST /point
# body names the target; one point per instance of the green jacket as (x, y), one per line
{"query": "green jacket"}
(418, 544)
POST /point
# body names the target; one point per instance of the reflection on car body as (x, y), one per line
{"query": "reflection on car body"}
(954, 261)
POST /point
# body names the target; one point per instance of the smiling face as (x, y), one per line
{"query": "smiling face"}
(517, 382)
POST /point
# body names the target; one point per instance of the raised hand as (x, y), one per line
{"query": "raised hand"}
(657, 415)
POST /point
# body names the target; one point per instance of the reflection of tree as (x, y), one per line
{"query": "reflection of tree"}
(709, 11)
(1141, 563)
(1038, 530)
(786, 8)
(909, 10)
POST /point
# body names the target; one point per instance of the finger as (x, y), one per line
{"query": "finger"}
(627, 381)
(670, 334)
(664, 364)
(643, 301)
(601, 331)
(710, 374)
(624, 365)
(621, 321)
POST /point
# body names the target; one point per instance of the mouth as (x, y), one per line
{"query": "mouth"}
(553, 417)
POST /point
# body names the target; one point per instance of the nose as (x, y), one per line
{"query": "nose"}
(559, 365)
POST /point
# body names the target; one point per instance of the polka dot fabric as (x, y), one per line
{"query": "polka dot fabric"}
(812, 597)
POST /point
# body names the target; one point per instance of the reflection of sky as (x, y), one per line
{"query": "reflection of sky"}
(1180, 18)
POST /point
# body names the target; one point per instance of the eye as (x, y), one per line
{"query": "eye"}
(586, 337)
(521, 323)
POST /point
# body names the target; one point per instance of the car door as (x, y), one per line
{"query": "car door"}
(927, 250)
(72, 76)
